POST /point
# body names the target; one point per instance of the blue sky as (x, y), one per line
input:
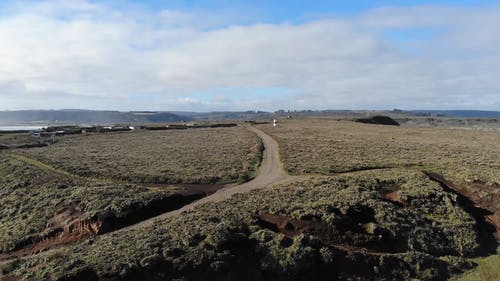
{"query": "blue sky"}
(249, 55)
(297, 10)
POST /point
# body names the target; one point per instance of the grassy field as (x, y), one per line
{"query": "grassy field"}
(329, 146)
(313, 229)
(216, 155)
(83, 178)
(361, 208)
(488, 269)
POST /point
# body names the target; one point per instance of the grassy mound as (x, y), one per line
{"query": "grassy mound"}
(378, 120)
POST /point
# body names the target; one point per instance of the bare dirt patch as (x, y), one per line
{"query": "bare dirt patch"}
(391, 193)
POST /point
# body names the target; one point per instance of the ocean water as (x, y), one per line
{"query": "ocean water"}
(20, 127)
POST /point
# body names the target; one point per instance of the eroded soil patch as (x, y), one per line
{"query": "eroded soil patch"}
(392, 193)
(69, 226)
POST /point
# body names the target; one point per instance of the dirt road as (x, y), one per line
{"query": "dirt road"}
(270, 172)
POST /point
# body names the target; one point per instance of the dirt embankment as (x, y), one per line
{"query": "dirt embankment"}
(76, 231)
(70, 226)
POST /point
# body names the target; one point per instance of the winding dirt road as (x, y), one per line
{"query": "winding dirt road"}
(270, 173)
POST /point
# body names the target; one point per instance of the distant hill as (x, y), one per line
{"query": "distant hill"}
(224, 115)
(89, 117)
(99, 117)
(458, 113)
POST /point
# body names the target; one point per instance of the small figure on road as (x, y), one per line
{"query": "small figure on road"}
(274, 122)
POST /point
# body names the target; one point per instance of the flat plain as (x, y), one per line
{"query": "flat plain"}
(327, 147)
(200, 156)
(362, 202)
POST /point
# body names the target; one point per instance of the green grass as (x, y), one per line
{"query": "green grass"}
(38, 164)
(488, 269)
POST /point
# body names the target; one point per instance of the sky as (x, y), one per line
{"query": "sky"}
(249, 55)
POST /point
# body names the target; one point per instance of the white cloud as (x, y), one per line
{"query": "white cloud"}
(57, 54)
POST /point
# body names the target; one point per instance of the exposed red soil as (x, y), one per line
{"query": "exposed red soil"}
(394, 197)
(391, 192)
(495, 220)
(70, 226)
(289, 227)
(77, 230)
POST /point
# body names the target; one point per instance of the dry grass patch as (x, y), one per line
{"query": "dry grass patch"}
(329, 147)
(216, 155)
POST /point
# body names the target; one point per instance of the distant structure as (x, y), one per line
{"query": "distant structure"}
(35, 134)
(274, 122)
(135, 128)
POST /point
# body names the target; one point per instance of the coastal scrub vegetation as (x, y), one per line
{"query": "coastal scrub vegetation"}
(346, 227)
(39, 202)
(325, 146)
(201, 156)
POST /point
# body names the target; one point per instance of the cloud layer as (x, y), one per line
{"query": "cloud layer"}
(79, 54)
